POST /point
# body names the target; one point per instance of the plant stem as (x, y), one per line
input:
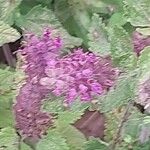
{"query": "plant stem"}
(116, 139)
(19, 142)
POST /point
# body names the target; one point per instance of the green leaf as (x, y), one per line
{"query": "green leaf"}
(7, 34)
(146, 120)
(79, 13)
(132, 125)
(137, 12)
(145, 146)
(6, 85)
(74, 137)
(144, 57)
(62, 10)
(53, 106)
(114, 2)
(98, 40)
(26, 6)
(144, 65)
(25, 146)
(96, 6)
(96, 144)
(8, 139)
(77, 20)
(121, 94)
(65, 117)
(121, 47)
(144, 31)
(117, 19)
(39, 18)
(6, 80)
(7, 10)
(112, 121)
(6, 118)
(53, 141)
(6, 97)
(68, 117)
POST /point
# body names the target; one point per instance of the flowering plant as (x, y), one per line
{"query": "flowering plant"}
(81, 81)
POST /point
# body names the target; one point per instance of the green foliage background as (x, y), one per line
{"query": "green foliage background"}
(102, 26)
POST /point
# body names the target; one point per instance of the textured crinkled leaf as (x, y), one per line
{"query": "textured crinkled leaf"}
(133, 145)
(7, 34)
(6, 79)
(121, 47)
(7, 10)
(146, 120)
(72, 114)
(39, 18)
(117, 19)
(144, 135)
(6, 96)
(62, 10)
(80, 13)
(96, 144)
(112, 122)
(143, 94)
(79, 106)
(145, 146)
(53, 141)
(53, 106)
(6, 118)
(98, 41)
(69, 117)
(120, 94)
(77, 18)
(144, 60)
(8, 139)
(74, 138)
(25, 146)
(144, 31)
(132, 125)
(97, 6)
(6, 92)
(137, 12)
(113, 2)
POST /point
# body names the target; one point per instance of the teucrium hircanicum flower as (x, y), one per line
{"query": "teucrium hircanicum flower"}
(79, 74)
(30, 121)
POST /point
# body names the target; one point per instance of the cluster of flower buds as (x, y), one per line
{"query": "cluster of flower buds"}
(30, 120)
(79, 74)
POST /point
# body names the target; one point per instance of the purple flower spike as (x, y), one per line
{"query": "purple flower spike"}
(30, 121)
(80, 74)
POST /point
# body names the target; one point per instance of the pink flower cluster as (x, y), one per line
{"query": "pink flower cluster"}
(30, 121)
(79, 74)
